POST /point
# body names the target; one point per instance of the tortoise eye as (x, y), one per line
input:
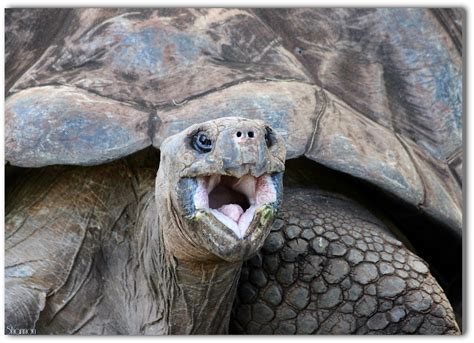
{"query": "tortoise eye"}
(201, 143)
(269, 138)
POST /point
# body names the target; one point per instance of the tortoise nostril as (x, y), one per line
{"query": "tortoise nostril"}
(238, 134)
(250, 134)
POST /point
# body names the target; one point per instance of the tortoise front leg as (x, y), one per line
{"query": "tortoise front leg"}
(330, 267)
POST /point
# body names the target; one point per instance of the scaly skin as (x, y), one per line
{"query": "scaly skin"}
(330, 267)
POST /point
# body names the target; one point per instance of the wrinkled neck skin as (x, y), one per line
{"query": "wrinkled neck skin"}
(201, 292)
(203, 298)
(195, 288)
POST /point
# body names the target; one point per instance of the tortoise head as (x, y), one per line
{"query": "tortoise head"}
(218, 188)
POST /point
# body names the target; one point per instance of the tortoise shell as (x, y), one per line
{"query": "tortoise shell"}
(374, 93)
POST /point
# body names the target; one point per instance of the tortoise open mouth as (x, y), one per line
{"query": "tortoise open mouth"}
(233, 201)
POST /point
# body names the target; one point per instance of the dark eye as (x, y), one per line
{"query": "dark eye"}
(269, 138)
(200, 142)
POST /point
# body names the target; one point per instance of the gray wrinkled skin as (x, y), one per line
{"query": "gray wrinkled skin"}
(176, 274)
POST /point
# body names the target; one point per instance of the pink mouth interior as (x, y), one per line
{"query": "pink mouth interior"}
(234, 201)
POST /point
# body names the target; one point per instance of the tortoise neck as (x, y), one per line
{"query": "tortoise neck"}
(202, 297)
(192, 297)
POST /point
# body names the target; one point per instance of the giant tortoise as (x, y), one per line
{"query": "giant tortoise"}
(145, 153)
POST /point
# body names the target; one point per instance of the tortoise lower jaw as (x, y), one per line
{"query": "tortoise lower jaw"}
(224, 243)
(257, 219)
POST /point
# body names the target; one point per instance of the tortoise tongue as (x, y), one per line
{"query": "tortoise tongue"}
(233, 211)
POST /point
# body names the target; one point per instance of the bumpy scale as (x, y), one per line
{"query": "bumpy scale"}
(330, 267)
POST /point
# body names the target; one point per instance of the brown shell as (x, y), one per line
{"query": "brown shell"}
(375, 93)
